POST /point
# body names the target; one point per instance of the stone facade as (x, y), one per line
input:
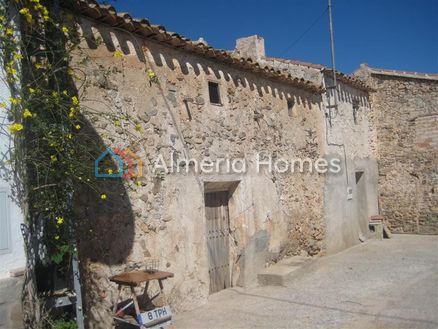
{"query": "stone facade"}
(348, 134)
(162, 215)
(148, 93)
(405, 112)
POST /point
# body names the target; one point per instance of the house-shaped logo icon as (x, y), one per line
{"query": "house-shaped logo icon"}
(126, 161)
(131, 160)
(117, 158)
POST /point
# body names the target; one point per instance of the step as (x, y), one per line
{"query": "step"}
(279, 273)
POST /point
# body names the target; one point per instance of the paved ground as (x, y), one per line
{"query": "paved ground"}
(385, 284)
(10, 303)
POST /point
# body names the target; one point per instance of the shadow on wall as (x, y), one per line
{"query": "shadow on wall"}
(106, 230)
(348, 94)
(187, 62)
(107, 226)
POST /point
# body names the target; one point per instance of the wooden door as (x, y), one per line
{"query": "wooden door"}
(218, 224)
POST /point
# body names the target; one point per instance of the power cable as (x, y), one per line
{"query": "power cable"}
(305, 32)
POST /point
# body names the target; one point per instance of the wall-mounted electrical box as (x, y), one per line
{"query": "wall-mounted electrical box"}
(349, 193)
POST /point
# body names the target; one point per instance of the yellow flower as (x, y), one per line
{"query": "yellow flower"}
(110, 171)
(15, 127)
(117, 122)
(151, 74)
(118, 54)
(103, 196)
(27, 114)
(75, 100)
(12, 78)
(64, 29)
(59, 220)
(14, 100)
(138, 183)
(69, 136)
(78, 126)
(17, 56)
(65, 92)
(138, 127)
(72, 113)
(53, 158)
(24, 11)
(9, 31)
(11, 70)
(56, 237)
(31, 90)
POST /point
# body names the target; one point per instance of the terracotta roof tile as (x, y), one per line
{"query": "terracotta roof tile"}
(296, 62)
(107, 14)
(348, 79)
(408, 74)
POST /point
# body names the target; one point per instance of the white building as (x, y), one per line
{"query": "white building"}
(12, 256)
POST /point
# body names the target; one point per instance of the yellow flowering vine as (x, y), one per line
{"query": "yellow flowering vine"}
(15, 128)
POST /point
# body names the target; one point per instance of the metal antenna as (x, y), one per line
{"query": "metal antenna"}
(332, 46)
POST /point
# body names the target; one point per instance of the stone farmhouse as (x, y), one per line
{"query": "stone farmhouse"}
(217, 230)
(176, 100)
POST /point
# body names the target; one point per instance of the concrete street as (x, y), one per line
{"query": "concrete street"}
(389, 284)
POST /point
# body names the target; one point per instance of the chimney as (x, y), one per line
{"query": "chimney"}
(253, 46)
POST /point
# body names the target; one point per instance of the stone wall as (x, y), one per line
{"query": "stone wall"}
(405, 115)
(349, 135)
(161, 215)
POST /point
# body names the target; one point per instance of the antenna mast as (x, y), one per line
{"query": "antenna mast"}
(332, 46)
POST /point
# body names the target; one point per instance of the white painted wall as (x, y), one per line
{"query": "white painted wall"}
(14, 257)
(347, 218)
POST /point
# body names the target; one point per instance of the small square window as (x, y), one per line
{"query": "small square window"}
(355, 110)
(213, 91)
(290, 107)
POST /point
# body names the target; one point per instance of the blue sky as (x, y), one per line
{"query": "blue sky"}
(394, 34)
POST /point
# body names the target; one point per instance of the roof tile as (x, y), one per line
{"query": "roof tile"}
(107, 14)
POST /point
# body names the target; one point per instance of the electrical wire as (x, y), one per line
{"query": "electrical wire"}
(293, 43)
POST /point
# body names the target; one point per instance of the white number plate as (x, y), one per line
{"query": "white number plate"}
(155, 316)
